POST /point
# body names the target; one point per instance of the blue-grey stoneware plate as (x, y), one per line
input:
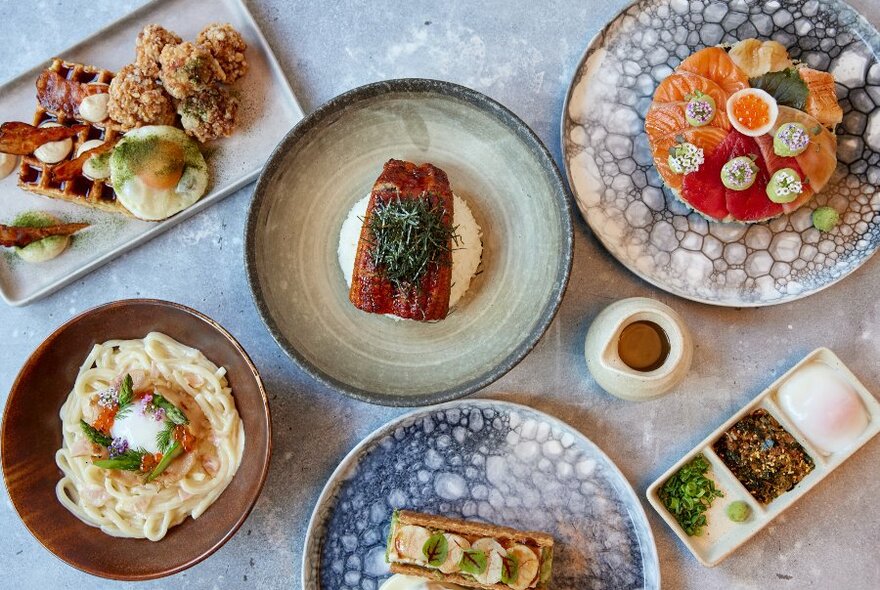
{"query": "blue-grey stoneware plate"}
(484, 460)
(622, 197)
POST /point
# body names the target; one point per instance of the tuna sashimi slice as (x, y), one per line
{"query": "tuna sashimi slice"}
(706, 138)
(751, 204)
(702, 189)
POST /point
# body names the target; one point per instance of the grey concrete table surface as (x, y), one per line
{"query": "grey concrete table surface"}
(524, 54)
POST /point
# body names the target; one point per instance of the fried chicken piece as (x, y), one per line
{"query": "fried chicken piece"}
(228, 47)
(188, 69)
(137, 99)
(148, 47)
(209, 114)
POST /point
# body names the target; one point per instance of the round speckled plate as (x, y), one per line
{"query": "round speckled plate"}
(485, 460)
(621, 196)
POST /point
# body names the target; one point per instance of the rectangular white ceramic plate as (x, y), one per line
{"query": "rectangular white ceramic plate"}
(721, 537)
(268, 110)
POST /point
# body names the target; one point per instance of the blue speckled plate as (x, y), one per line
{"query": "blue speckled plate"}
(621, 196)
(484, 460)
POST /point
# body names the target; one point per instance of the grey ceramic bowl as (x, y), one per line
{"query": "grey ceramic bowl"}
(330, 161)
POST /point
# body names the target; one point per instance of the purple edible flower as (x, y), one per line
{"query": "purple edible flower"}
(118, 447)
(159, 414)
(700, 111)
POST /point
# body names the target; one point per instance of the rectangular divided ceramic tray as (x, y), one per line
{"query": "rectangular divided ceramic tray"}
(721, 537)
(268, 110)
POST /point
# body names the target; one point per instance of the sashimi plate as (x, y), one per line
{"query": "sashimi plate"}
(656, 236)
(488, 461)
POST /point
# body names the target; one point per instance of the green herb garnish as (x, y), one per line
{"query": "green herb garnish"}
(130, 460)
(473, 561)
(407, 236)
(175, 451)
(786, 86)
(125, 397)
(689, 493)
(95, 435)
(436, 549)
(171, 411)
(509, 569)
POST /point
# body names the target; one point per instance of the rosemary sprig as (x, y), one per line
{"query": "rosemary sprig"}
(125, 398)
(407, 236)
(95, 435)
(130, 460)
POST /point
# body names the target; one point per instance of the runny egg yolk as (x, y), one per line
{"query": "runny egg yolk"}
(751, 111)
(164, 166)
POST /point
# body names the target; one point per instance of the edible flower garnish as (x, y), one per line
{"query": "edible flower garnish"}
(785, 185)
(685, 157)
(700, 109)
(791, 139)
(117, 403)
(689, 493)
(739, 173)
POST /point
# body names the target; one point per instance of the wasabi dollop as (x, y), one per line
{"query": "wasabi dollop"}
(738, 511)
(825, 218)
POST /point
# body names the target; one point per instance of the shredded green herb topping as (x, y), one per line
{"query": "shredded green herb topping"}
(689, 493)
(407, 236)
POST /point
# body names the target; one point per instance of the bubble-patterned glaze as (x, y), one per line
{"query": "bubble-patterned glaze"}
(490, 461)
(658, 237)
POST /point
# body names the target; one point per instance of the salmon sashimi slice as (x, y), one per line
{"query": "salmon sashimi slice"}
(703, 190)
(669, 117)
(776, 162)
(756, 58)
(822, 98)
(678, 86)
(751, 204)
(706, 138)
(819, 161)
(371, 288)
(714, 63)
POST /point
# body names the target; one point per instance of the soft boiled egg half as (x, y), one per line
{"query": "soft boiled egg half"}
(752, 111)
(157, 171)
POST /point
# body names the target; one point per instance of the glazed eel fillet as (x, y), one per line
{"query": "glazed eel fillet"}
(371, 289)
(467, 553)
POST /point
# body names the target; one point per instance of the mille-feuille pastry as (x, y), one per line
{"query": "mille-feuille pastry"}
(72, 95)
(470, 554)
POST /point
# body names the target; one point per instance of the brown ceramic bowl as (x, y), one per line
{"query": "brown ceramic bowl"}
(32, 433)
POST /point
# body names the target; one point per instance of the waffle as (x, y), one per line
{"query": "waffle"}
(33, 174)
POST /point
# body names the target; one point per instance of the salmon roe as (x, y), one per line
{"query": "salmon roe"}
(751, 111)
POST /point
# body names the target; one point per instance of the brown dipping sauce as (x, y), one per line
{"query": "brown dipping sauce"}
(643, 346)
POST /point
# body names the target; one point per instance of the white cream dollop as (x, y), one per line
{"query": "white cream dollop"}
(90, 170)
(54, 151)
(8, 163)
(93, 108)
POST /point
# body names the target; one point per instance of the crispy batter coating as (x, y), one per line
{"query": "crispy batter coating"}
(188, 69)
(148, 47)
(210, 114)
(228, 47)
(137, 99)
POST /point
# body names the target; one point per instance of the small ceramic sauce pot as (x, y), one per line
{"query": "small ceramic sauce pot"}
(615, 376)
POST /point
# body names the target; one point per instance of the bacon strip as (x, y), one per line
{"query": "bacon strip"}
(72, 168)
(371, 291)
(11, 235)
(21, 139)
(60, 95)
